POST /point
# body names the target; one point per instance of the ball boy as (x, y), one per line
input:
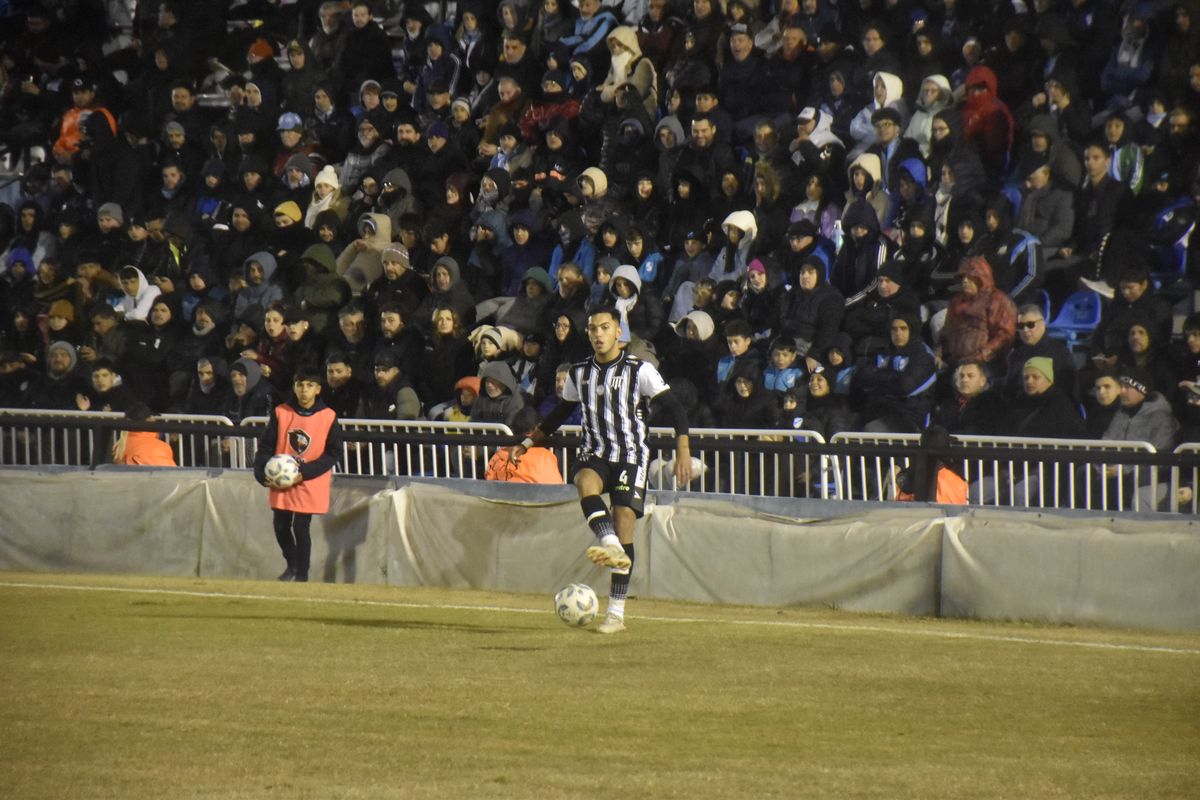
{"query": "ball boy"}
(307, 429)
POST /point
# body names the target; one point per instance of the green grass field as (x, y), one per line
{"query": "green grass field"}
(168, 688)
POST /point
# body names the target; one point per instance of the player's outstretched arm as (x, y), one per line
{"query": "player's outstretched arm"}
(683, 462)
(674, 410)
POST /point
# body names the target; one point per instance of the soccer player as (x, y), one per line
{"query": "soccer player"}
(307, 429)
(613, 387)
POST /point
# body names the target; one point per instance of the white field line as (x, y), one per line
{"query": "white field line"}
(829, 626)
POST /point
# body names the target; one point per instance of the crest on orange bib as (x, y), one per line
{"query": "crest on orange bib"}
(298, 441)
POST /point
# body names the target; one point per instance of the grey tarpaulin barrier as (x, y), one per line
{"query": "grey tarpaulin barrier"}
(719, 552)
(862, 556)
(1093, 570)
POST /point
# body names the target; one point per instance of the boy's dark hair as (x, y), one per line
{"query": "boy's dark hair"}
(128, 273)
(102, 311)
(306, 372)
(337, 357)
(105, 363)
(783, 343)
(738, 327)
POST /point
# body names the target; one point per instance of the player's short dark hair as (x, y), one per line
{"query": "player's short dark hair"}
(611, 310)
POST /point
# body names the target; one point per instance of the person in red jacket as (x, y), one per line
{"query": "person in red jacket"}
(981, 321)
(306, 429)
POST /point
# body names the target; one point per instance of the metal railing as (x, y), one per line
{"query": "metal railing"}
(402, 455)
(1188, 480)
(1001, 471)
(1024, 478)
(41, 443)
(786, 472)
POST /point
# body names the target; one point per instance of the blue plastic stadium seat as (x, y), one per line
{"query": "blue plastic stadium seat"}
(1079, 316)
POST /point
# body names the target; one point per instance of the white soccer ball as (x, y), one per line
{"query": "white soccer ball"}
(576, 605)
(282, 471)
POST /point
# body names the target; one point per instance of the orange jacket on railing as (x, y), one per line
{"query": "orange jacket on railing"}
(143, 448)
(538, 465)
(951, 489)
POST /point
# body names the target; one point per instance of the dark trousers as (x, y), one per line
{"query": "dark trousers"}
(292, 533)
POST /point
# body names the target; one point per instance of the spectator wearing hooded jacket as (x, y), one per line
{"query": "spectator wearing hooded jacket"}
(322, 293)
(638, 306)
(361, 262)
(987, 122)
(745, 402)
(862, 253)
(1015, 255)
(741, 231)
(980, 321)
(935, 95)
(575, 246)
(258, 287)
(210, 392)
(813, 309)
(447, 291)
(139, 295)
(500, 398)
(888, 93)
(250, 395)
(865, 184)
(896, 386)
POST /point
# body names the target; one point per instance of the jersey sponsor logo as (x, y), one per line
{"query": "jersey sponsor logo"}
(298, 441)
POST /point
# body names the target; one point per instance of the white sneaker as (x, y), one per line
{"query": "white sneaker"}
(1099, 287)
(609, 555)
(612, 624)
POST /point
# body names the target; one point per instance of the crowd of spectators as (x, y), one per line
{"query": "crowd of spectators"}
(851, 215)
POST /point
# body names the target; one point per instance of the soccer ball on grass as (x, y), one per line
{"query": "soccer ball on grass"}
(282, 471)
(576, 605)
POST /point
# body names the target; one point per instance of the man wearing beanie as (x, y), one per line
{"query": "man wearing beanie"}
(1042, 410)
(113, 212)
(1144, 416)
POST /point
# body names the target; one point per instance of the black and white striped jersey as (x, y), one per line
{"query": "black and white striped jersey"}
(614, 398)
